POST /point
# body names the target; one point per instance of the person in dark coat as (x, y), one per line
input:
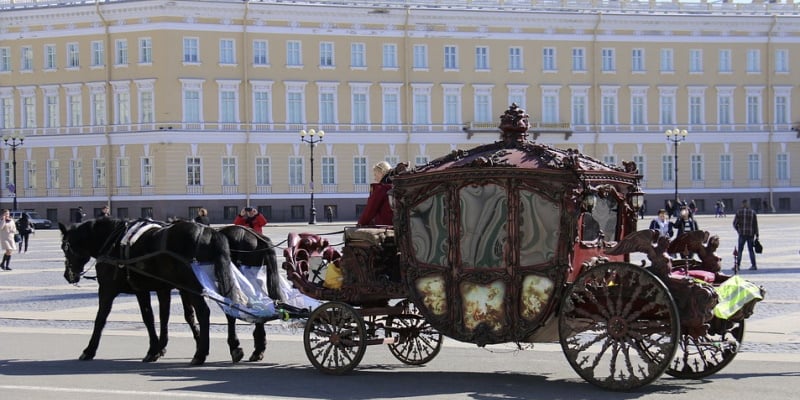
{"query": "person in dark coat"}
(202, 217)
(25, 228)
(378, 210)
(79, 214)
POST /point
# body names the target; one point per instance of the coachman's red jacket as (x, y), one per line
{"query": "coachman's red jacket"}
(378, 210)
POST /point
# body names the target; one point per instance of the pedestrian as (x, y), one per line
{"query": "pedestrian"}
(693, 207)
(746, 224)
(378, 210)
(105, 212)
(25, 228)
(329, 213)
(7, 231)
(250, 217)
(79, 214)
(685, 223)
(661, 224)
(202, 217)
(643, 209)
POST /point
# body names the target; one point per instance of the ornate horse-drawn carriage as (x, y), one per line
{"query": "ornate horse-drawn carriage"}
(516, 241)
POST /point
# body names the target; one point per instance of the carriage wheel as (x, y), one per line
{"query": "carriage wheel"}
(418, 343)
(704, 356)
(619, 327)
(335, 338)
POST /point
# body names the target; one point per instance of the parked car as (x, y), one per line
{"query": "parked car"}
(37, 221)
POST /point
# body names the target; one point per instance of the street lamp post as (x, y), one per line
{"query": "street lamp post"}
(314, 137)
(14, 140)
(676, 136)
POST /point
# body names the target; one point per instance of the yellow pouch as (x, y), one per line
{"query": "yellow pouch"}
(333, 277)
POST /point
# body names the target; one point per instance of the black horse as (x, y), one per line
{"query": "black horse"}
(155, 257)
(250, 249)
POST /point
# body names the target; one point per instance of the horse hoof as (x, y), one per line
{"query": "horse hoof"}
(86, 357)
(198, 361)
(237, 355)
(151, 358)
(256, 356)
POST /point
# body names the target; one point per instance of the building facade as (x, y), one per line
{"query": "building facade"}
(160, 107)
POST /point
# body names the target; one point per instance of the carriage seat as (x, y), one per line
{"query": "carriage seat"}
(376, 236)
(307, 254)
(705, 276)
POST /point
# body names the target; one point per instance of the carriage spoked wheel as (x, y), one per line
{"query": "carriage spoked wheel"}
(619, 326)
(704, 356)
(335, 338)
(417, 342)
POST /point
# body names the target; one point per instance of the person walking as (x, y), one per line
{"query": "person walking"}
(746, 224)
(250, 217)
(104, 212)
(25, 228)
(7, 231)
(202, 217)
(79, 214)
(661, 224)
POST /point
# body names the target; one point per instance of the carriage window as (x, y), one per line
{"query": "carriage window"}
(539, 229)
(484, 225)
(428, 228)
(603, 218)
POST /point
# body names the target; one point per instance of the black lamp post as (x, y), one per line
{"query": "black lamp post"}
(676, 136)
(314, 137)
(14, 140)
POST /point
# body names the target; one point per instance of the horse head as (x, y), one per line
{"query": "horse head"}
(81, 242)
(74, 258)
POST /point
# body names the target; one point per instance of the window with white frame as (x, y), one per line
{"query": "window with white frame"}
(51, 119)
(358, 55)
(695, 61)
(146, 168)
(146, 104)
(49, 57)
(328, 167)
(294, 54)
(228, 105)
(327, 107)
(262, 102)
(578, 59)
(724, 105)
(74, 107)
(549, 59)
(450, 58)
(75, 173)
(517, 94)
(637, 60)
(263, 171)
(194, 173)
(145, 51)
(26, 59)
(725, 167)
(515, 58)
(638, 109)
(29, 171)
(452, 106)
(483, 103)
(608, 104)
(641, 165)
(73, 55)
(227, 52)
(98, 57)
(28, 110)
(294, 107)
(420, 56)
(123, 172)
(666, 111)
(229, 171)
(360, 170)
(390, 99)
(725, 64)
(782, 61)
(421, 103)
(781, 109)
(420, 160)
(192, 100)
(609, 61)
(6, 110)
(482, 58)
(754, 166)
(389, 56)
(667, 61)
(696, 167)
(753, 101)
(122, 103)
(550, 103)
(753, 61)
(5, 59)
(295, 171)
(326, 55)
(696, 110)
(53, 171)
(191, 50)
(120, 52)
(782, 166)
(260, 53)
(579, 104)
(98, 172)
(392, 160)
(667, 168)
(610, 159)
(359, 99)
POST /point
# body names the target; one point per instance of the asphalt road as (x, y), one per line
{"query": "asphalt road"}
(45, 323)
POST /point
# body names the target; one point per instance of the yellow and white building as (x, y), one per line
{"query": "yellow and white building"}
(159, 107)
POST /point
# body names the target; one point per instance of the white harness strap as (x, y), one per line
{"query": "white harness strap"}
(136, 231)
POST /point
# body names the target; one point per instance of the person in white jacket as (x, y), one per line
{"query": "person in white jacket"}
(7, 231)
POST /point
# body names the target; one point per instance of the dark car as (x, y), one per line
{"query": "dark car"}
(37, 221)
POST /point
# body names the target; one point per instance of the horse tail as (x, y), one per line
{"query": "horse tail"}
(273, 273)
(223, 268)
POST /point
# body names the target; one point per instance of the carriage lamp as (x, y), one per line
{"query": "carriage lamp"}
(589, 200)
(676, 136)
(14, 140)
(636, 198)
(314, 137)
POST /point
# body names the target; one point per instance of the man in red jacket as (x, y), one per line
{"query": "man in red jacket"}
(378, 210)
(250, 217)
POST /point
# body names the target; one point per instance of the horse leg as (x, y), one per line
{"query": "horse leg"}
(233, 340)
(203, 318)
(259, 341)
(146, 309)
(164, 305)
(105, 301)
(188, 315)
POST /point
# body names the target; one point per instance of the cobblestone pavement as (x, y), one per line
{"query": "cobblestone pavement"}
(35, 294)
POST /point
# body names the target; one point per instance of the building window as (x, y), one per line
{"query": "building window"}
(667, 168)
(725, 168)
(782, 61)
(298, 212)
(73, 56)
(98, 104)
(578, 59)
(262, 107)
(26, 59)
(483, 105)
(391, 105)
(227, 52)
(5, 59)
(450, 58)
(782, 167)
(638, 111)
(147, 171)
(293, 53)
(326, 54)
(122, 108)
(482, 58)
(550, 108)
(610, 159)
(296, 171)
(358, 55)
(360, 107)
(74, 110)
(515, 59)
(609, 104)
(637, 60)
(609, 61)
(696, 61)
(263, 171)
(549, 59)
(98, 54)
(725, 65)
(193, 172)
(260, 52)
(422, 105)
(29, 178)
(667, 109)
(579, 110)
(75, 174)
(50, 57)
(754, 167)
(327, 107)
(191, 50)
(360, 170)
(191, 105)
(121, 52)
(229, 171)
(667, 60)
(53, 181)
(696, 110)
(294, 107)
(228, 106)
(420, 56)
(99, 173)
(725, 111)
(328, 170)
(753, 110)
(145, 51)
(781, 110)
(753, 61)
(51, 119)
(696, 166)
(389, 55)
(641, 165)
(452, 107)
(28, 112)
(146, 106)
(123, 172)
